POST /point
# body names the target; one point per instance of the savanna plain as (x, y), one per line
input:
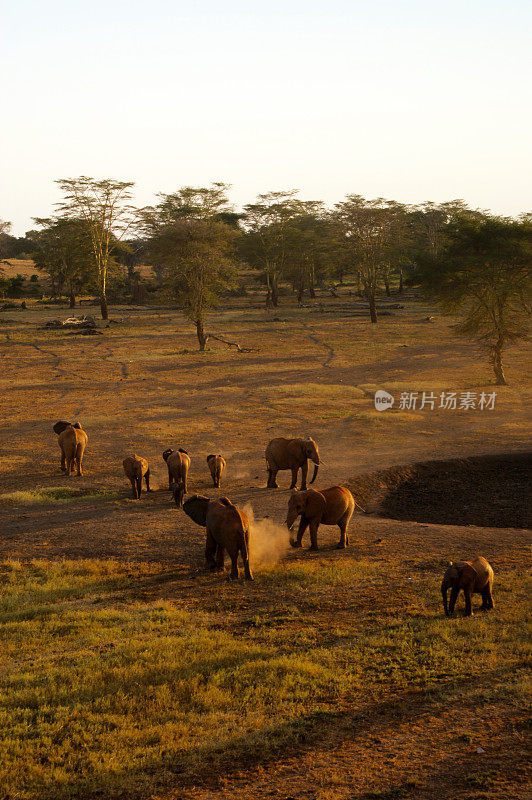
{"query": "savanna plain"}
(127, 671)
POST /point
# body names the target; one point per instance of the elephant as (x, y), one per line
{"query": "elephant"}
(217, 467)
(72, 440)
(332, 506)
(178, 463)
(137, 468)
(228, 529)
(473, 577)
(291, 454)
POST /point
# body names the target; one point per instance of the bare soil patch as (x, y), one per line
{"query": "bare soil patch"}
(492, 490)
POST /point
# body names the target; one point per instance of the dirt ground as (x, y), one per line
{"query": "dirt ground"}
(142, 387)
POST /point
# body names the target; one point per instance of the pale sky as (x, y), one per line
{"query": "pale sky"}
(407, 99)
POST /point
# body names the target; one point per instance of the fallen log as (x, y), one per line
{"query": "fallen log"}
(238, 347)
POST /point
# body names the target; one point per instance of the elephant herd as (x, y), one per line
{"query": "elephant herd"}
(228, 527)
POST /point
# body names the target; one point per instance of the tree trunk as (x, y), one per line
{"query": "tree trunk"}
(387, 287)
(275, 292)
(103, 306)
(202, 339)
(496, 360)
(72, 298)
(400, 281)
(311, 290)
(372, 307)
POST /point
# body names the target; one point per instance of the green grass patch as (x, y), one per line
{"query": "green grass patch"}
(103, 695)
(55, 494)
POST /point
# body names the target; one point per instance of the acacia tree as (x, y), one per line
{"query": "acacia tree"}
(190, 236)
(104, 206)
(314, 257)
(483, 275)
(368, 240)
(63, 251)
(269, 231)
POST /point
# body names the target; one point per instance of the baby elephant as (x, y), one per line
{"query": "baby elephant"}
(72, 440)
(217, 467)
(332, 506)
(473, 577)
(227, 529)
(136, 468)
(178, 463)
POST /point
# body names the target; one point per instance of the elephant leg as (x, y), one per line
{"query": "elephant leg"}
(444, 598)
(487, 600)
(245, 558)
(220, 558)
(210, 551)
(295, 470)
(303, 525)
(314, 524)
(344, 536)
(63, 461)
(304, 471)
(170, 479)
(467, 593)
(272, 475)
(147, 480)
(452, 600)
(134, 487)
(79, 456)
(139, 487)
(234, 563)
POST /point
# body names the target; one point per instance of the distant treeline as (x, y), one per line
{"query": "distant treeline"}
(475, 264)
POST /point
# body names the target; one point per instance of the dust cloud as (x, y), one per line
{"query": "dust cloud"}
(268, 541)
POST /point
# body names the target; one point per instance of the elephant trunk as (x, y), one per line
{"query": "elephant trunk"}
(316, 468)
(290, 519)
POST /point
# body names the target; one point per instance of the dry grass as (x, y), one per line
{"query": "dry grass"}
(128, 672)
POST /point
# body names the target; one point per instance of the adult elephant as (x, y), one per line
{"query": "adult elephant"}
(474, 577)
(178, 463)
(332, 506)
(227, 529)
(137, 468)
(72, 441)
(291, 454)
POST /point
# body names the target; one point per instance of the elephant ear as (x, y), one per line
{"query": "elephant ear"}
(60, 426)
(209, 457)
(468, 574)
(196, 508)
(167, 453)
(180, 450)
